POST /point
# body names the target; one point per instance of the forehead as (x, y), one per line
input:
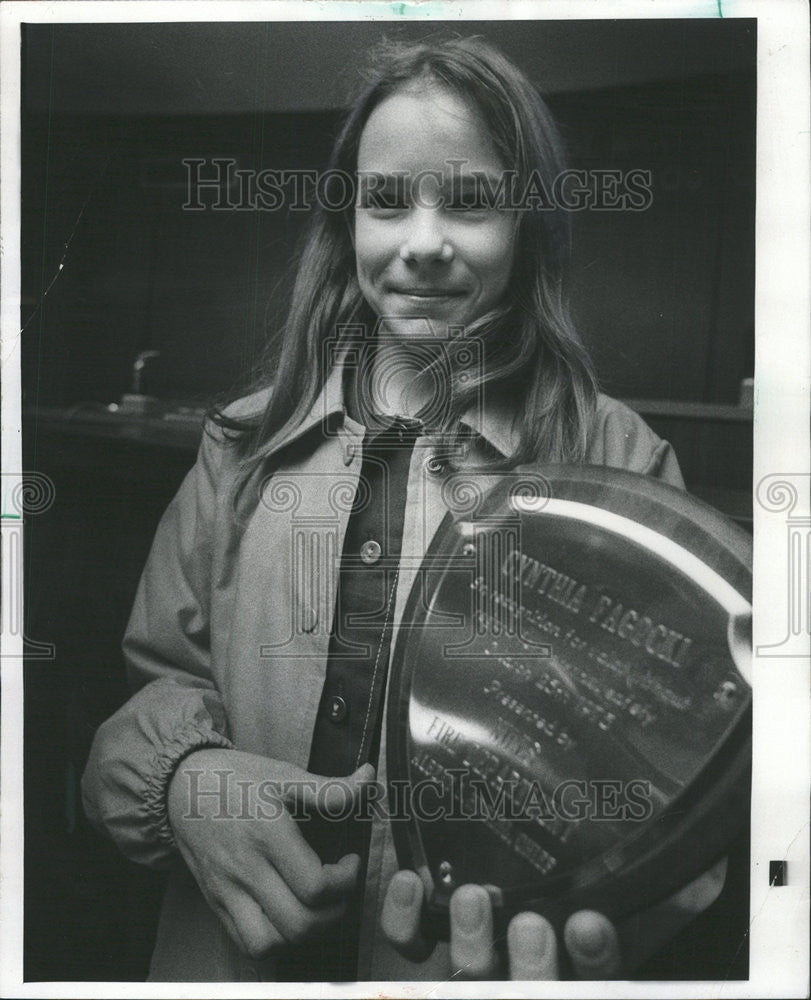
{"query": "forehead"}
(422, 126)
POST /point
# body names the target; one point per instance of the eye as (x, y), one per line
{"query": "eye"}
(387, 197)
(385, 201)
(467, 202)
(468, 195)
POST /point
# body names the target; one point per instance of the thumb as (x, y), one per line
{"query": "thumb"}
(330, 797)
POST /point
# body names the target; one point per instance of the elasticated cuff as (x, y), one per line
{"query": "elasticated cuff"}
(184, 741)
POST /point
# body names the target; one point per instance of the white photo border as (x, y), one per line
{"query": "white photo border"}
(779, 916)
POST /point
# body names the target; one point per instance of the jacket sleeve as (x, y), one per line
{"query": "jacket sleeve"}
(622, 439)
(664, 465)
(176, 708)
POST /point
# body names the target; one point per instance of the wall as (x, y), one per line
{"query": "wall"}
(664, 296)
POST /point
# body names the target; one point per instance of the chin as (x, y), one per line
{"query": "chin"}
(416, 327)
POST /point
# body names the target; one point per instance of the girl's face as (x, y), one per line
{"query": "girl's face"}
(419, 255)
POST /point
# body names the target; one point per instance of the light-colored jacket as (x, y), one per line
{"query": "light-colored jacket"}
(227, 646)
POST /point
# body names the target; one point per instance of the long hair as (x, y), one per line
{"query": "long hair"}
(531, 348)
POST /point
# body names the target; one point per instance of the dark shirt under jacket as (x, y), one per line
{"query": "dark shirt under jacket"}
(347, 727)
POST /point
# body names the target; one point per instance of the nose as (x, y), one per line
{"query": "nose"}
(425, 239)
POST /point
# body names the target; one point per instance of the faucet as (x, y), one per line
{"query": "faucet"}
(135, 402)
(138, 368)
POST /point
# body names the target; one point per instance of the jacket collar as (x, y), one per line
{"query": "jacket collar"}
(493, 420)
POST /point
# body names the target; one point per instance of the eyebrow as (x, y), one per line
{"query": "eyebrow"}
(405, 176)
(476, 176)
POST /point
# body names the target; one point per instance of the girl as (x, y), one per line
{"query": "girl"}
(428, 334)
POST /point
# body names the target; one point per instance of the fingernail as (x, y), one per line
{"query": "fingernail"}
(592, 940)
(351, 861)
(532, 934)
(470, 912)
(404, 890)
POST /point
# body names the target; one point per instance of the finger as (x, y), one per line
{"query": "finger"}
(314, 883)
(643, 934)
(532, 948)
(339, 880)
(294, 921)
(332, 798)
(473, 955)
(592, 944)
(702, 892)
(249, 926)
(400, 919)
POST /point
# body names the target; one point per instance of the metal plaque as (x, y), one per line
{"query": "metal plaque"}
(570, 706)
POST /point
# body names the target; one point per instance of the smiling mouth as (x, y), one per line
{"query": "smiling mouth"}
(427, 293)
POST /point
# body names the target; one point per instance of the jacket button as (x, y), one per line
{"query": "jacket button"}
(349, 452)
(309, 619)
(370, 552)
(435, 465)
(336, 709)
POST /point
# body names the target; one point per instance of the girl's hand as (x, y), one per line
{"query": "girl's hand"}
(532, 945)
(231, 816)
(596, 949)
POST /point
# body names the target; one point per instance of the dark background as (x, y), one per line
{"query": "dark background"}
(663, 297)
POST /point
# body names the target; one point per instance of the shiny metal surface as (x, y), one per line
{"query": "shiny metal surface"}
(570, 707)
